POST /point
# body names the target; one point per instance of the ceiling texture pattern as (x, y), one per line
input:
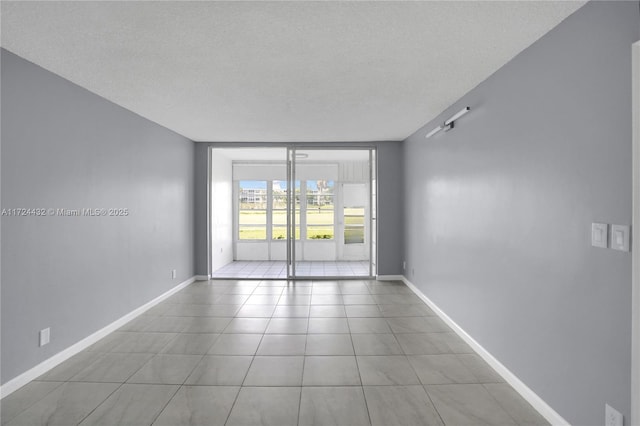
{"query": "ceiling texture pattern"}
(278, 71)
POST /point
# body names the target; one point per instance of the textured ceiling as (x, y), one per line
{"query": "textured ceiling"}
(279, 71)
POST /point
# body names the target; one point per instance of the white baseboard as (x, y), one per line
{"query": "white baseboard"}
(530, 396)
(46, 365)
(202, 278)
(390, 278)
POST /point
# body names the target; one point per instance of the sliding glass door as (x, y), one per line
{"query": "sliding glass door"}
(280, 213)
(331, 209)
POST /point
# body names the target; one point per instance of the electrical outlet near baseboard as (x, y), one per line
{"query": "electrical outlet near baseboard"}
(45, 336)
(612, 416)
(174, 274)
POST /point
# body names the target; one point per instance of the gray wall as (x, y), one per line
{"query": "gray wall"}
(390, 198)
(200, 164)
(498, 213)
(390, 207)
(64, 147)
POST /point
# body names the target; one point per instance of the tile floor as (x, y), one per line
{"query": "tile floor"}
(278, 270)
(275, 353)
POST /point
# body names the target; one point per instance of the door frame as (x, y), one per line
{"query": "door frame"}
(291, 225)
(291, 147)
(635, 254)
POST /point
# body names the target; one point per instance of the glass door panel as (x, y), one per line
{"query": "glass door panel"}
(354, 225)
(331, 213)
(246, 212)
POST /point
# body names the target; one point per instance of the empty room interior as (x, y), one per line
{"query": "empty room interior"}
(320, 213)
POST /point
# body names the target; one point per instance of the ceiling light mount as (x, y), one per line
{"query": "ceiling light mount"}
(449, 123)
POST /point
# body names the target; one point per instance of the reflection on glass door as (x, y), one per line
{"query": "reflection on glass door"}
(334, 213)
(355, 219)
(252, 210)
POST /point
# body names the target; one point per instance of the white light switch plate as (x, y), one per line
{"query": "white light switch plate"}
(599, 235)
(620, 237)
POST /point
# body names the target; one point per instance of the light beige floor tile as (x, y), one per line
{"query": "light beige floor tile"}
(335, 406)
(270, 406)
(199, 406)
(363, 311)
(220, 371)
(275, 371)
(519, 409)
(329, 344)
(66, 405)
(236, 344)
(190, 344)
(386, 370)
(15, 403)
(480, 369)
(71, 367)
(247, 325)
(330, 371)
(287, 326)
(368, 325)
(166, 369)
(132, 405)
(400, 406)
(441, 369)
(327, 311)
(282, 344)
(470, 405)
(376, 344)
(328, 325)
(112, 368)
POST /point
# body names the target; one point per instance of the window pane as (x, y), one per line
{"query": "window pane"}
(252, 217)
(354, 215)
(354, 220)
(280, 194)
(319, 217)
(252, 213)
(253, 232)
(320, 193)
(319, 232)
(320, 202)
(279, 222)
(320, 186)
(279, 217)
(353, 235)
(280, 232)
(279, 201)
(253, 194)
(354, 225)
(320, 209)
(297, 194)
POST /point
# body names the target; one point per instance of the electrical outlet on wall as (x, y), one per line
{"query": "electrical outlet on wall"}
(45, 336)
(404, 265)
(174, 274)
(612, 417)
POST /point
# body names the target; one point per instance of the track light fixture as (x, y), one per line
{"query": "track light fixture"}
(449, 123)
(433, 132)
